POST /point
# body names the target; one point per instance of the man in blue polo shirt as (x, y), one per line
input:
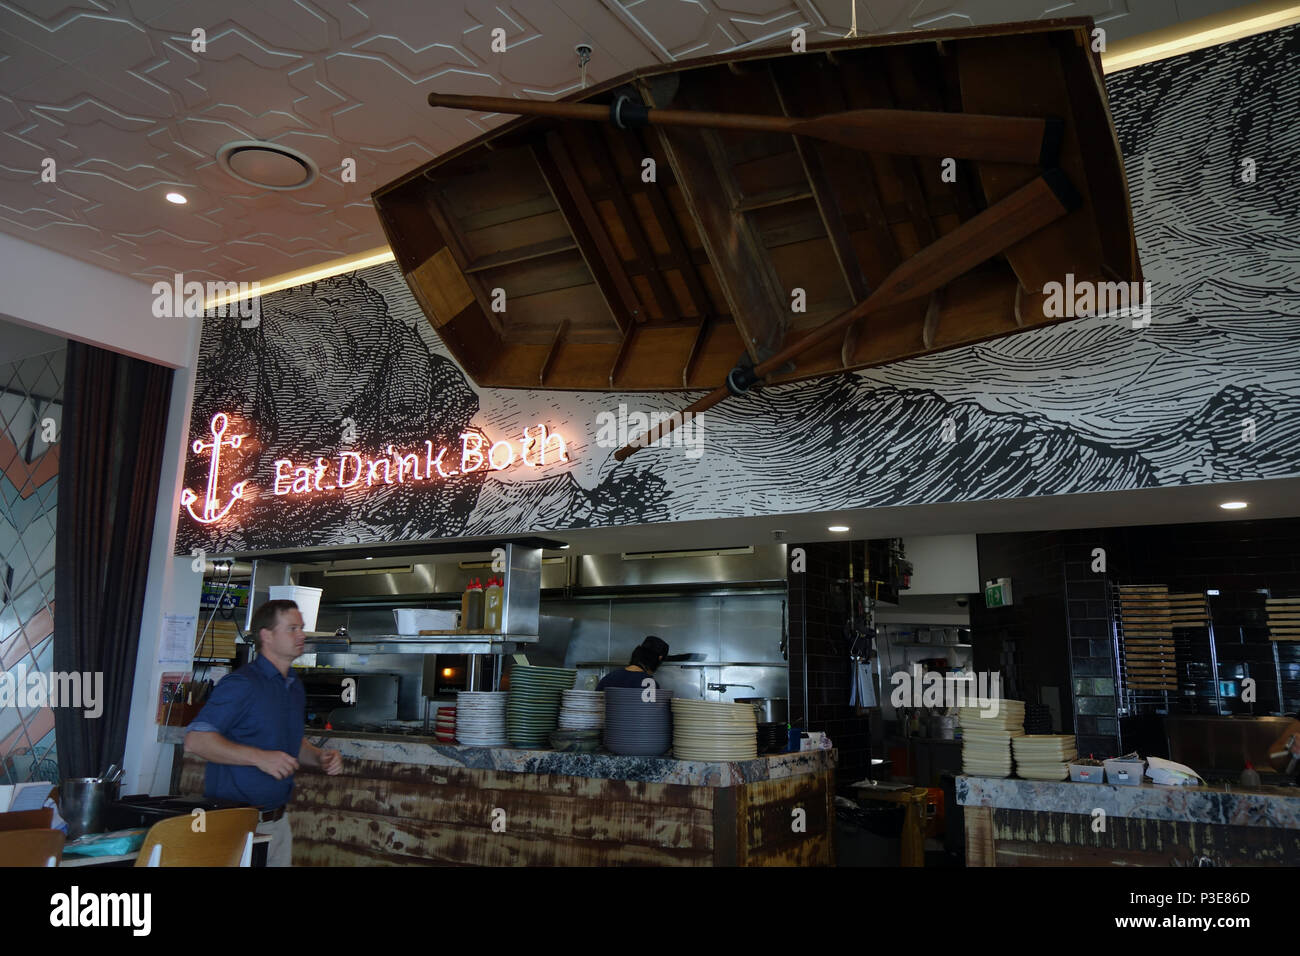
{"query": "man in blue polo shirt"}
(251, 729)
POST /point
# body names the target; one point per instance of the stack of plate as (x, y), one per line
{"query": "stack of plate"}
(445, 729)
(986, 739)
(1044, 756)
(533, 704)
(773, 738)
(634, 727)
(714, 730)
(582, 710)
(481, 718)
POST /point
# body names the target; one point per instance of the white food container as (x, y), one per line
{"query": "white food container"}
(307, 599)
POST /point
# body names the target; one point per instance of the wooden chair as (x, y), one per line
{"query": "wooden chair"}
(227, 840)
(31, 847)
(27, 819)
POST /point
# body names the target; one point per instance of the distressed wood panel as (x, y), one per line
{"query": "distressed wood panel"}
(1026, 837)
(413, 843)
(980, 848)
(597, 816)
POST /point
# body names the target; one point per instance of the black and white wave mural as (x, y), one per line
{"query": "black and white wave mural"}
(1208, 392)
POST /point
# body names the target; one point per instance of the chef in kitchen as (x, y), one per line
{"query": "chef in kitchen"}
(646, 658)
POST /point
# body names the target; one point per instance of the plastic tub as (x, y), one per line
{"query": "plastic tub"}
(1080, 773)
(1125, 773)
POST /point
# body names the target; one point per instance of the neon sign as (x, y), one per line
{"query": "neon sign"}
(211, 512)
(351, 471)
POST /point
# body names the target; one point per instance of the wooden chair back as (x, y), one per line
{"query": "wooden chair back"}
(226, 840)
(31, 847)
(27, 819)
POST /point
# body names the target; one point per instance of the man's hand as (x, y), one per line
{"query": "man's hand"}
(277, 764)
(331, 762)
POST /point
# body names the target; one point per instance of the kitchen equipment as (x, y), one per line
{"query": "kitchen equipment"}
(768, 710)
(82, 801)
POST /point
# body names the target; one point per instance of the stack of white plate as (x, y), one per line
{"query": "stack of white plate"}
(481, 718)
(714, 730)
(533, 704)
(986, 737)
(582, 710)
(1044, 756)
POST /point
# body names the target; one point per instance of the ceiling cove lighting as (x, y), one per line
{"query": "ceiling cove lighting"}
(838, 528)
(1200, 33)
(1233, 505)
(176, 199)
(287, 280)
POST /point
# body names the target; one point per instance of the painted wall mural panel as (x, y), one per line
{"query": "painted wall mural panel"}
(351, 365)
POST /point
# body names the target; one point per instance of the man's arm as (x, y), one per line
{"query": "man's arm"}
(210, 745)
(314, 758)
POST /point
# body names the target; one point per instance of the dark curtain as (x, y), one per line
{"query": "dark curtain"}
(114, 425)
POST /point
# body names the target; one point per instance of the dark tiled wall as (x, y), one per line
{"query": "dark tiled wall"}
(1092, 648)
(1055, 569)
(819, 648)
(1035, 621)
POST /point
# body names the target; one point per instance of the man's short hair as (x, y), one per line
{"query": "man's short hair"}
(267, 616)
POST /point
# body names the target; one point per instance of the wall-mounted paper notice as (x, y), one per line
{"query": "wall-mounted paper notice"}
(177, 645)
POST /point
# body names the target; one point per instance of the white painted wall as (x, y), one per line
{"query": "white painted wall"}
(943, 564)
(54, 293)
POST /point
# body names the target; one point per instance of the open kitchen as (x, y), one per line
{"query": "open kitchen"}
(825, 450)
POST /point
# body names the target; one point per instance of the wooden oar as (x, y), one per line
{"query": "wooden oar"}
(994, 139)
(1015, 217)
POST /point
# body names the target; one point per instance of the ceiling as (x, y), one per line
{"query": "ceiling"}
(113, 92)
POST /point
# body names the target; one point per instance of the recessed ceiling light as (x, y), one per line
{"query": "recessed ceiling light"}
(838, 528)
(177, 198)
(1233, 505)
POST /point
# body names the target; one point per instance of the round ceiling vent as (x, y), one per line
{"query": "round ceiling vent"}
(266, 165)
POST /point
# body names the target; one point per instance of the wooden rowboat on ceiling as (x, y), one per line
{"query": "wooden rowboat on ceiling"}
(769, 215)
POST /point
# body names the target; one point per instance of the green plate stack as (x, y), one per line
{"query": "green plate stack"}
(533, 703)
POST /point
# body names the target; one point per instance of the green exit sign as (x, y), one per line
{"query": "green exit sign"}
(997, 593)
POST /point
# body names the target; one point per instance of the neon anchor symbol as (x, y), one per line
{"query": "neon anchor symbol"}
(211, 514)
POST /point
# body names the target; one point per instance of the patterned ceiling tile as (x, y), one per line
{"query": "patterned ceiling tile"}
(113, 92)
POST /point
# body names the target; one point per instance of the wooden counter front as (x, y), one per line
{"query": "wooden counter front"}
(413, 802)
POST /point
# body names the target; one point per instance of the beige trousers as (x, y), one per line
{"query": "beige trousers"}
(280, 850)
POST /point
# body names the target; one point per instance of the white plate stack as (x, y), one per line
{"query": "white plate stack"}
(714, 730)
(1044, 756)
(986, 734)
(582, 710)
(481, 718)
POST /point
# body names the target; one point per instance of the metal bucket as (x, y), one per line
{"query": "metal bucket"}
(82, 801)
(769, 710)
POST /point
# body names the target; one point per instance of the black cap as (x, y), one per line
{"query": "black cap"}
(656, 647)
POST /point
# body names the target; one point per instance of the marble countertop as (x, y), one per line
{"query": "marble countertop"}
(1227, 804)
(425, 751)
